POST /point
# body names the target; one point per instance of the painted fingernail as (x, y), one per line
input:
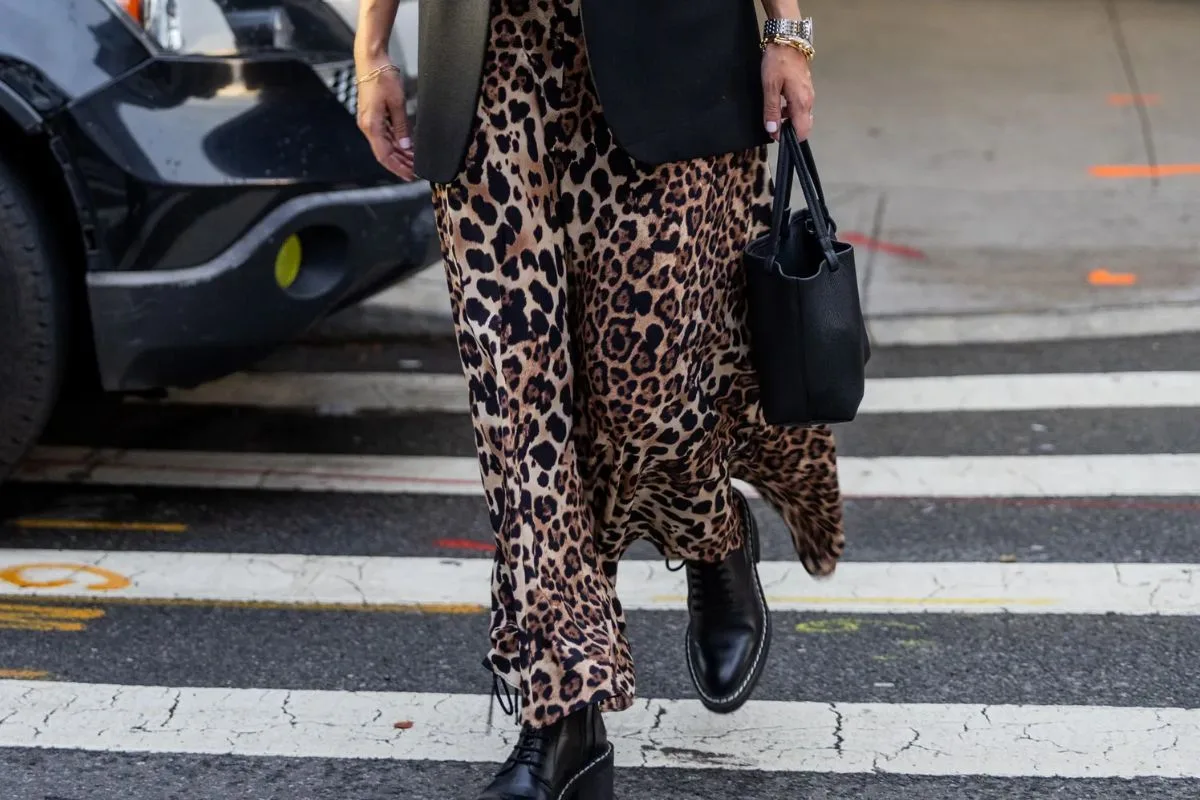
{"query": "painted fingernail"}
(406, 143)
(772, 126)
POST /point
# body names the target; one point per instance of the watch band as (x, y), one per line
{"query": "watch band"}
(789, 29)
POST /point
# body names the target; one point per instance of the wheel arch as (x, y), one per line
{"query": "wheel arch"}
(27, 145)
(18, 110)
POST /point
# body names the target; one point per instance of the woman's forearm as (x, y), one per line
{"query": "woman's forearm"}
(782, 9)
(375, 21)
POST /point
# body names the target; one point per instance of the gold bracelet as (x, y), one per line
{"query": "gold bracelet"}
(375, 73)
(793, 42)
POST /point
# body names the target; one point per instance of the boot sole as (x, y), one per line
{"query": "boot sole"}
(727, 705)
(594, 781)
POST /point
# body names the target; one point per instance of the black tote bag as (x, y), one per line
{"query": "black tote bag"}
(808, 336)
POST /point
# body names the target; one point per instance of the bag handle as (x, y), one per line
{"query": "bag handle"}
(795, 157)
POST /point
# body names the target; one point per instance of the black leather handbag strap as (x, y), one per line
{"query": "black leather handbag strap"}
(795, 157)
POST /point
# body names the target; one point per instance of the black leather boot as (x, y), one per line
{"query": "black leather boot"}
(730, 630)
(570, 760)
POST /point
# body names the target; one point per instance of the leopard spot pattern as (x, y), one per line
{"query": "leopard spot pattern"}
(599, 309)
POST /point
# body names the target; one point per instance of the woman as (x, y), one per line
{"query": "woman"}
(593, 201)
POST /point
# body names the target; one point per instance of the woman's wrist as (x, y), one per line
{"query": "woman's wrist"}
(371, 52)
(782, 9)
(375, 21)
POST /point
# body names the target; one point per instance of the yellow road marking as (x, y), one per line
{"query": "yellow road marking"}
(914, 644)
(23, 674)
(892, 624)
(51, 612)
(892, 601)
(38, 523)
(109, 580)
(7, 624)
(273, 605)
(850, 625)
(829, 626)
(35, 617)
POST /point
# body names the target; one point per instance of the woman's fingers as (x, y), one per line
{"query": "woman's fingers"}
(399, 134)
(398, 116)
(382, 119)
(800, 109)
(372, 125)
(399, 166)
(372, 121)
(772, 105)
(787, 90)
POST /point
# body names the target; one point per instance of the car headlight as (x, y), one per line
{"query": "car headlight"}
(204, 27)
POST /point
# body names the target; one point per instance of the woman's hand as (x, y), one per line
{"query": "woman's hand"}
(787, 79)
(383, 118)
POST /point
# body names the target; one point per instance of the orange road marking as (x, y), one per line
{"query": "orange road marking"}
(50, 612)
(1102, 277)
(1134, 99)
(32, 617)
(891, 248)
(1144, 170)
(23, 674)
(109, 580)
(7, 624)
(37, 523)
(275, 605)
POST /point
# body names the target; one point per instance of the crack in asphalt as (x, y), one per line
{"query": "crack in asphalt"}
(287, 712)
(839, 737)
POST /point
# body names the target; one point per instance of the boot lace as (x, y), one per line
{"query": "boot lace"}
(713, 588)
(508, 698)
(714, 583)
(530, 749)
(708, 582)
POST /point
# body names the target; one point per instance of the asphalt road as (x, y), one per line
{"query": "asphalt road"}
(891, 658)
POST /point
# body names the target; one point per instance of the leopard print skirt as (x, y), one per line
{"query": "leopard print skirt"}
(600, 316)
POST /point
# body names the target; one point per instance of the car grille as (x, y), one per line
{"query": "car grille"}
(339, 77)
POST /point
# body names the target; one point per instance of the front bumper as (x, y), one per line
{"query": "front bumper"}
(187, 326)
(193, 173)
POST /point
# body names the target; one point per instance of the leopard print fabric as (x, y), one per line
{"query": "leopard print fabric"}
(600, 316)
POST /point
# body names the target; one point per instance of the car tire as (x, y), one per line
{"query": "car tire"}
(33, 320)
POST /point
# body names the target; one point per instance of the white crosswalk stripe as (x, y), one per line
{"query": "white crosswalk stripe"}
(1144, 738)
(928, 476)
(355, 392)
(1079, 741)
(439, 583)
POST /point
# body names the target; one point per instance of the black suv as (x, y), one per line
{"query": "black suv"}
(182, 187)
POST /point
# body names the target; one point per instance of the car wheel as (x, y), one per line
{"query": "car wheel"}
(33, 320)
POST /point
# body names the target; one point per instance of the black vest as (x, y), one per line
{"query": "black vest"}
(677, 79)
